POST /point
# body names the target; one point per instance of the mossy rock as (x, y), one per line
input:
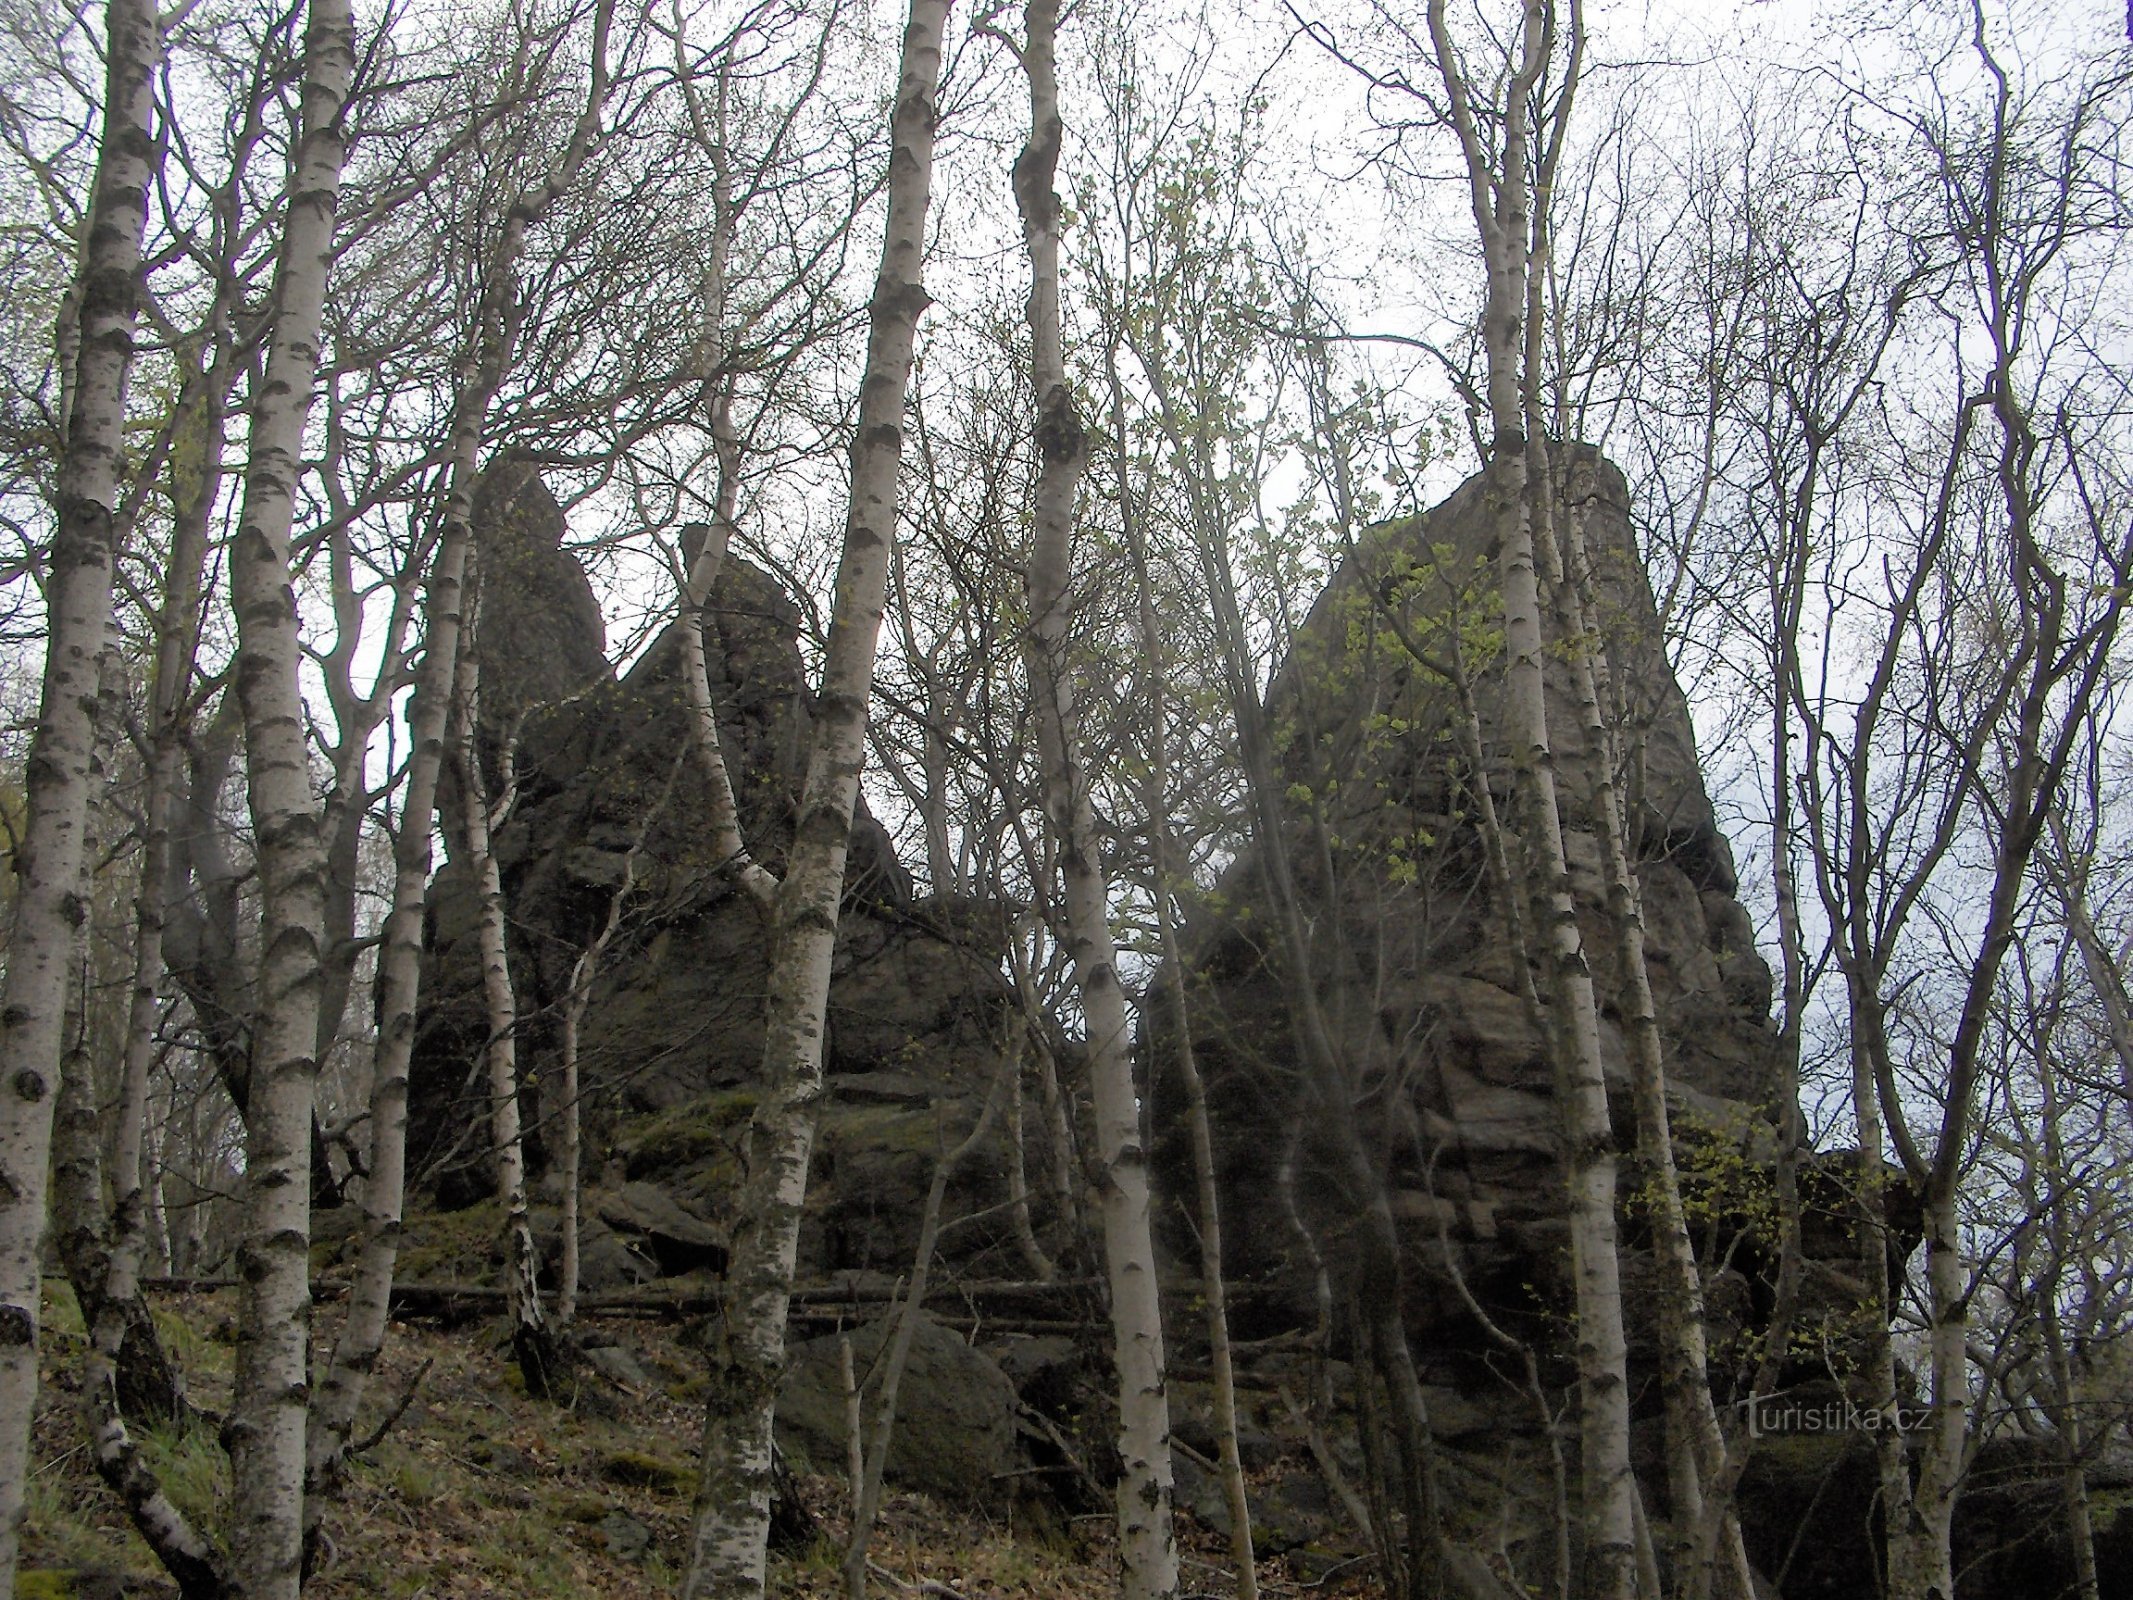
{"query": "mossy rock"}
(640, 1470)
(671, 1141)
(955, 1426)
(72, 1583)
(581, 1509)
(897, 1130)
(451, 1246)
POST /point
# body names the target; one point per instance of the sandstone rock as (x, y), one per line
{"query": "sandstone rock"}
(1289, 1511)
(676, 1239)
(627, 1538)
(615, 1364)
(672, 1041)
(1046, 1369)
(955, 1432)
(1448, 1075)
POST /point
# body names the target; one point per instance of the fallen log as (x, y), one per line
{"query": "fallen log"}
(811, 1303)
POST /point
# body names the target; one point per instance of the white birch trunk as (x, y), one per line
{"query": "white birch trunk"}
(583, 972)
(199, 438)
(1208, 1190)
(1018, 1212)
(1703, 1533)
(729, 1532)
(1502, 203)
(99, 1246)
(571, 1156)
(362, 1335)
(1375, 1273)
(102, 1254)
(722, 811)
(1147, 1545)
(531, 1342)
(871, 1455)
(48, 907)
(124, 1371)
(265, 1431)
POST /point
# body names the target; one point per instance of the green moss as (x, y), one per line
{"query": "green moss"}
(899, 1130)
(44, 1584)
(451, 1246)
(582, 1509)
(686, 1135)
(643, 1471)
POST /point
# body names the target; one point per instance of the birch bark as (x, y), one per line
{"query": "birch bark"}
(1502, 200)
(196, 467)
(1207, 1188)
(1704, 1533)
(48, 907)
(1326, 1084)
(532, 1343)
(871, 1452)
(1147, 1546)
(362, 1335)
(265, 1431)
(729, 1530)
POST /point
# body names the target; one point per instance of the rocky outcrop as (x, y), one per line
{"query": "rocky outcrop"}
(672, 1039)
(1445, 1077)
(1445, 1074)
(1446, 1071)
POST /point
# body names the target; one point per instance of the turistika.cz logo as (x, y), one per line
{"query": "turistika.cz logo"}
(1772, 1413)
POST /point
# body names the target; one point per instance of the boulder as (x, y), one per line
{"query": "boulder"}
(1290, 1510)
(626, 1538)
(955, 1412)
(661, 1227)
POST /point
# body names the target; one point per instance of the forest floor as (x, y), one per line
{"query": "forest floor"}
(477, 1491)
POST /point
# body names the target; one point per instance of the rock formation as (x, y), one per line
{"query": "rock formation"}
(1384, 766)
(672, 1038)
(1414, 964)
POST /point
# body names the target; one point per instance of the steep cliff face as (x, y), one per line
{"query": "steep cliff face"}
(672, 1037)
(1447, 1073)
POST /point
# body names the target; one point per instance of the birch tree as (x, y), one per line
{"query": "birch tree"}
(1177, 299)
(267, 1419)
(729, 1530)
(48, 859)
(479, 814)
(1163, 856)
(1706, 1531)
(2049, 649)
(1500, 172)
(1146, 1542)
(441, 720)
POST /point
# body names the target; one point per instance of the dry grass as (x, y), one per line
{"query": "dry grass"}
(477, 1492)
